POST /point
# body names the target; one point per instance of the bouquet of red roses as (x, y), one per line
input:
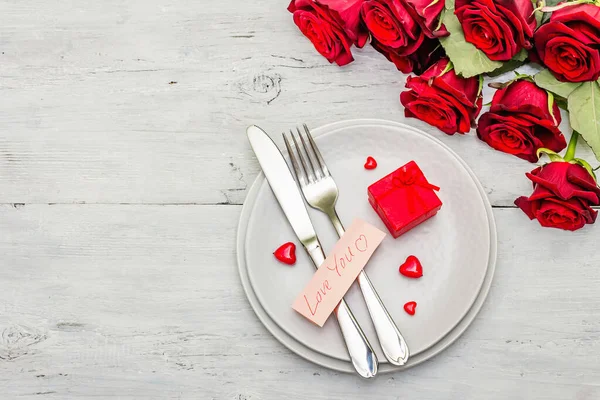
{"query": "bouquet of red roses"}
(452, 44)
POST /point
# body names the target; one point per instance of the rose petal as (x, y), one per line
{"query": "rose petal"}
(569, 45)
(507, 135)
(540, 193)
(499, 28)
(324, 28)
(523, 11)
(554, 215)
(571, 59)
(587, 13)
(526, 205)
(566, 181)
(349, 13)
(526, 97)
(464, 90)
(534, 133)
(431, 109)
(429, 12)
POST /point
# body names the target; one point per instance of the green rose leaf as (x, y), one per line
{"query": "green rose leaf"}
(468, 60)
(584, 114)
(520, 56)
(506, 67)
(547, 81)
(518, 60)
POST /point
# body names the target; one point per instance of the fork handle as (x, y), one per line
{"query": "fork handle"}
(392, 342)
(361, 353)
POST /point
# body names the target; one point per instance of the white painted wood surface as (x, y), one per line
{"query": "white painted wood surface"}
(123, 164)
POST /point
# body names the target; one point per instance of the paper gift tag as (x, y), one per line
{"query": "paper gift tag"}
(333, 279)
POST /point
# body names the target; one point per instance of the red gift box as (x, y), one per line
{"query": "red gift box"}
(404, 199)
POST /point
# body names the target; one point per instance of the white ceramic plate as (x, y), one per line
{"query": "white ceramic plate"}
(457, 246)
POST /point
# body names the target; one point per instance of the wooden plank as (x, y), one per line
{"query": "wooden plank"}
(142, 301)
(147, 102)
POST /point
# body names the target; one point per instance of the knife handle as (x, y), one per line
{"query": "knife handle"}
(361, 353)
(391, 340)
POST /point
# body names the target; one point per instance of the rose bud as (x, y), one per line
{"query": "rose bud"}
(499, 28)
(403, 30)
(521, 120)
(331, 25)
(443, 99)
(563, 195)
(569, 44)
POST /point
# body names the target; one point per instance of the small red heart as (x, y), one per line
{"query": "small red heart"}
(410, 307)
(371, 163)
(286, 253)
(412, 267)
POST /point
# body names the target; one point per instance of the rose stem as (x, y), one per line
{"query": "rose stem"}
(570, 154)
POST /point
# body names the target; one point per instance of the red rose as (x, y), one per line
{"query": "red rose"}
(401, 28)
(443, 99)
(569, 44)
(562, 196)
(499, 28)
(424, 57)
(331, 25)
(520, 122)
(429, 15)
(392, 24)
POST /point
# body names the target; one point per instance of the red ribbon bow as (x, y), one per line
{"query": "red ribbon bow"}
(408, 180)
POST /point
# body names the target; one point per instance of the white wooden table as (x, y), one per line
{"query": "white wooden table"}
(123, 168)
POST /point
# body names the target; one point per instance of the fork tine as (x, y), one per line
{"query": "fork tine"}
(301, 157)
(299, 173)
(317, 152)
(309, 155)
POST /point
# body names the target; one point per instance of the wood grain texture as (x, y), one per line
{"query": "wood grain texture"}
(145, 302)
(147, 101)
(123, 162)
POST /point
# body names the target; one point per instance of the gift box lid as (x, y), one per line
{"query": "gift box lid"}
(408, 174)
(403, 196)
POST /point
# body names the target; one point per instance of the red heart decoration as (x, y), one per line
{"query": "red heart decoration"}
(410, 307)
(412, 267)
(371, 163)
(286, 253)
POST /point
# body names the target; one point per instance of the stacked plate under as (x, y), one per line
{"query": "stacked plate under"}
(457, 247)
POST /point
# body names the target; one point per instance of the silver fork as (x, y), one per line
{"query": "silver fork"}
(321, 192)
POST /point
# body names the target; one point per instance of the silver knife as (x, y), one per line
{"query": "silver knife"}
(290, 199)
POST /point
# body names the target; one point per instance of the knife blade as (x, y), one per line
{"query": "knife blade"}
(290, 199)
(282, 183)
